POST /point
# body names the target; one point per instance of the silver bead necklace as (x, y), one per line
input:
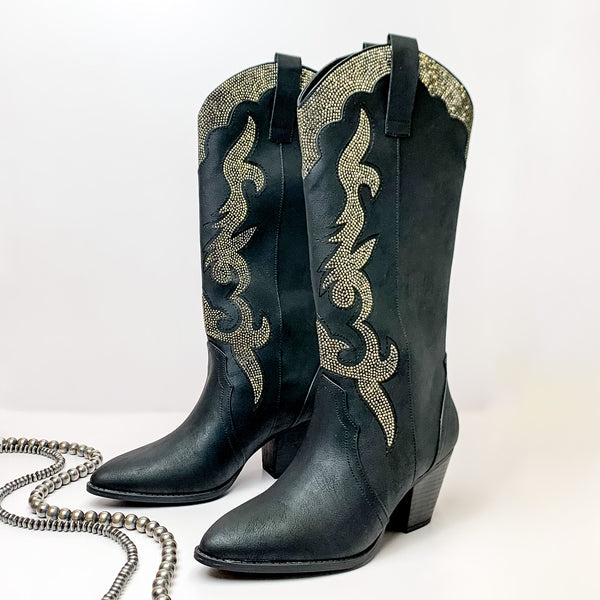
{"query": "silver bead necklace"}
(52, 518)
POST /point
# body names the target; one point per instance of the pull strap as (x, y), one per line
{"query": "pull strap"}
(283, 115)
(404, 75)
(368, 45)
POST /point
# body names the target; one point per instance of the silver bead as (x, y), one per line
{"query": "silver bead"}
(64, 477)
(73, 474)
(43, 443)
(42, 489)
(117, 520)
(162, 597)
(32, 442)
(48, 483)
(35, 505)
(81, 448)
(73, 449)
(150, 527)
(141, 524)
(166, 536)
(91, 516)
(90, 466)
(42, 509)
(52, 512)
(53, 445)
(22, 441)
(169, 558)
(11, 441)
(57, 481)
(64, 514)
(63, 447)
(158, 591)
(82, 469)
(104, 517)
(160, 582)
(158, 531)
(77, 515)
(164, 575)
(167, 566)
(130, 522)
(169, 550)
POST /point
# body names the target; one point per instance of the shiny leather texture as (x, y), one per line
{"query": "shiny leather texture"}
(201, 459)
(330, 508)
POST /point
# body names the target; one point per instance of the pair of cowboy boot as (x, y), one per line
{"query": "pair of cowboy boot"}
(328, 198)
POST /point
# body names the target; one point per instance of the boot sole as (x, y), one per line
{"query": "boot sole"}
(150, 498)
(281, 568)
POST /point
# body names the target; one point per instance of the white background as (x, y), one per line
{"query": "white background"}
(100, 307)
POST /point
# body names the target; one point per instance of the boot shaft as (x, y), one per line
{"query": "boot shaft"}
(384, 136)
(259, 313)
(256, 285)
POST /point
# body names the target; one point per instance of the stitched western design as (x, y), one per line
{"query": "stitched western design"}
(227, 266)
(361, 74)
(347, 283)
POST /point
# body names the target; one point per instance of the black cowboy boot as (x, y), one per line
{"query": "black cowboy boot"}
(258, 305)
(384, 134)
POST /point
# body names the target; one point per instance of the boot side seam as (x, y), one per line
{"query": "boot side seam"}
(441, 422)
(277, 292)
(404, 333)
(302, 418)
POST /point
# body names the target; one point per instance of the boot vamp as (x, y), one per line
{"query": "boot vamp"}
(196, 457)
(320, 508)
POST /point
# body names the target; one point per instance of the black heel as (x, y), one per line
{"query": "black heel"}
(279, 452)
(416, 508)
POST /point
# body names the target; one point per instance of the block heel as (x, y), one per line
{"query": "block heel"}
(279, 452)
(416, 508)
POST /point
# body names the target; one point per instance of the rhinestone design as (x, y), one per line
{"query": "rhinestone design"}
(440, 83)
(248, 85)
(361, 73)
(226, 265)
(347, 283)
(223, 257)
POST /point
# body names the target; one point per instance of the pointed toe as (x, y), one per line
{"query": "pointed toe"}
(231, 540)
(168, 471)
(119, 477)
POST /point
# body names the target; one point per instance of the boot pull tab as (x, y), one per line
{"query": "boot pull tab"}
(404, 75)
(283, 115)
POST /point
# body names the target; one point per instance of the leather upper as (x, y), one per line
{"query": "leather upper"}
(256, 286)
(382, 212)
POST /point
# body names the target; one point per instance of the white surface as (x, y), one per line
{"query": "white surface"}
(517, 518)
(100, 276)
